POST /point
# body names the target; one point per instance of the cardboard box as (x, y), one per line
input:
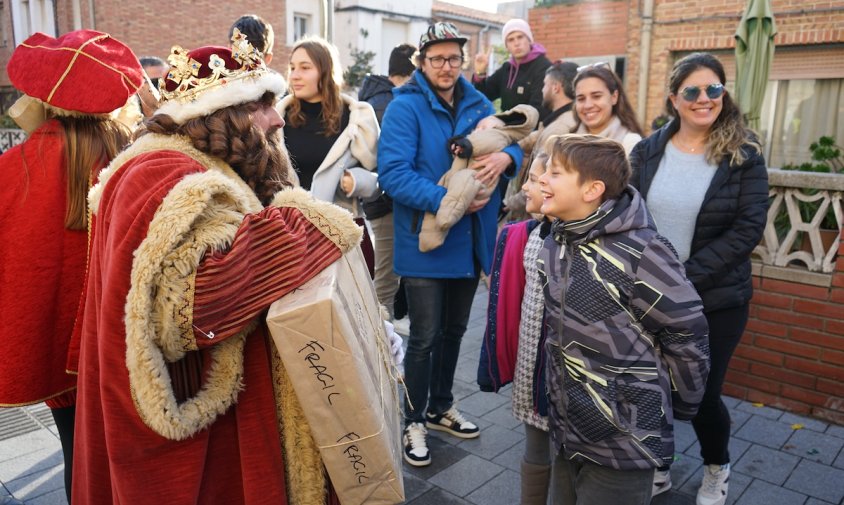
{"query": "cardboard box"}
(333, 344)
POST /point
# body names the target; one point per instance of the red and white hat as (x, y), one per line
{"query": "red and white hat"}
(210, 78)
(82, 72)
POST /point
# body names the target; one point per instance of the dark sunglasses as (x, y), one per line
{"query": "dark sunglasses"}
(154, 81)
(691, 93)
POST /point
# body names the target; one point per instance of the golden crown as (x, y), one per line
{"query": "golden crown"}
(185, 70)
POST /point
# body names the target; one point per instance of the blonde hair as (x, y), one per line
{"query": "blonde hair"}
(90, 144)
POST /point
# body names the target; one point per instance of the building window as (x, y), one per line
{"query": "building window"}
(30, 16)
(797, 112)
(300, 25)
(617, 64)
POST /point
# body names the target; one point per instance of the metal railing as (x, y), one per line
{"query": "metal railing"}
(804, 220)
(10, 137)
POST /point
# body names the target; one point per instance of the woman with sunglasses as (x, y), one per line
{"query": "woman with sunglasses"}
(332, 138)
(601, 106)
(706, 184)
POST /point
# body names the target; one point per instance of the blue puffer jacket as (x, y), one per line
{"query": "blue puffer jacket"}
(412, 156)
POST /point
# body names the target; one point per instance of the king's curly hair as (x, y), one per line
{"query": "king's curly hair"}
(230, 134)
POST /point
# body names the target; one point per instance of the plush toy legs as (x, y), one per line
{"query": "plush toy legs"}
(462, 189)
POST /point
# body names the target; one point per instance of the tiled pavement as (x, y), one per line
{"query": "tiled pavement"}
(778, 458)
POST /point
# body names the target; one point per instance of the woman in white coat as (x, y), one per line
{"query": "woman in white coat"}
(332, 138)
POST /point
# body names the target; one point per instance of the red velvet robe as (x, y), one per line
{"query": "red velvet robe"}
(237, 458)
(42, 267)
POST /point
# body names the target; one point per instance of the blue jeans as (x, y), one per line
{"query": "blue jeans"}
(439, 312)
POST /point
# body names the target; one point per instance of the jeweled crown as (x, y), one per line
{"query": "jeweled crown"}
(192, 73)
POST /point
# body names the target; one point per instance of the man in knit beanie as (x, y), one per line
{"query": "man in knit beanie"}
(519, 80)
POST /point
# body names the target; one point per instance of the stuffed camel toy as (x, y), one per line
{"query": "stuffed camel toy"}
(460, 183)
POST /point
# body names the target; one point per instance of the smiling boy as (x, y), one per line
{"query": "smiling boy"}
(627, 340)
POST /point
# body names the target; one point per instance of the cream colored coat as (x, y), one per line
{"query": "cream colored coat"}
(355, 151)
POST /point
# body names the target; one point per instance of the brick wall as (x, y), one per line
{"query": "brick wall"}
(8, 42)
(151, 27)
(792, 354)
(593, 28)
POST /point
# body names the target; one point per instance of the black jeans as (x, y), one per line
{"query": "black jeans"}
(712, 423)
(584, 483)
(65, 422)
(439, 313)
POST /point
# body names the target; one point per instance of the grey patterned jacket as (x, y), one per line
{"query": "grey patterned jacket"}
(627, 341)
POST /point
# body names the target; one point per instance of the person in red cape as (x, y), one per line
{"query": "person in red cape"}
(70, 86)
(196, 231)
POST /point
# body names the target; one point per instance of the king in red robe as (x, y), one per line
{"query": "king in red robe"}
(182, 396)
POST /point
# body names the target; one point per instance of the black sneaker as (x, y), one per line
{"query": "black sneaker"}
(452, 422)
(415, 445)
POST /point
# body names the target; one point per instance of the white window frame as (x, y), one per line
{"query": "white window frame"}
(301, 19)
(30, 16)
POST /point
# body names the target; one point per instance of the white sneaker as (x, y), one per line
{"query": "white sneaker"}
(662, 482)
(402, 326)
(452, 422)
(416, 445)
(713, 489)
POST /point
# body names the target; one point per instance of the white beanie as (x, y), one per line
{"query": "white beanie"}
(517, 25)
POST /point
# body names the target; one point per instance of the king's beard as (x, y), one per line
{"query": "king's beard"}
(279, 161)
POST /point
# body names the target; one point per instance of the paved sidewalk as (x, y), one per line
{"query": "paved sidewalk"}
(778, 458)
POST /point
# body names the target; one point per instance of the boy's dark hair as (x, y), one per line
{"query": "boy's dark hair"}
(152, 61)
(564, 72)
(258, 32)
(401, 61)
(594, 158)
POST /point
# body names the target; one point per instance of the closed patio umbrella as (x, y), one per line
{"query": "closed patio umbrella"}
(754, 54)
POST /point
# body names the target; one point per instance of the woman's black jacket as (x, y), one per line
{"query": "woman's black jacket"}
(730, 223)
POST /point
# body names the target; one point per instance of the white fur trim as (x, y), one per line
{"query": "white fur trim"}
(244, 90)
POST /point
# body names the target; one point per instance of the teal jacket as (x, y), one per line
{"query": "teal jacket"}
(412, 156)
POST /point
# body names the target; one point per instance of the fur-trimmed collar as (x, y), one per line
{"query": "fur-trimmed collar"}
(159, 303)
(155, 142)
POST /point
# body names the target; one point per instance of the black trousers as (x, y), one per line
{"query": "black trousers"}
(64, 418)
(712, 423)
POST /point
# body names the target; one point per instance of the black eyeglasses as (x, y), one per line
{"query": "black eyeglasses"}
(154, 82)
(439, 61)
(691, 93)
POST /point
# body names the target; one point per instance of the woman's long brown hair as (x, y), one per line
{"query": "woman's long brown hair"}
(323, 55)
(90, 144)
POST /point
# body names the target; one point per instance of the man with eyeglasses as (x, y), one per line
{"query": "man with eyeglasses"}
(434, 106)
